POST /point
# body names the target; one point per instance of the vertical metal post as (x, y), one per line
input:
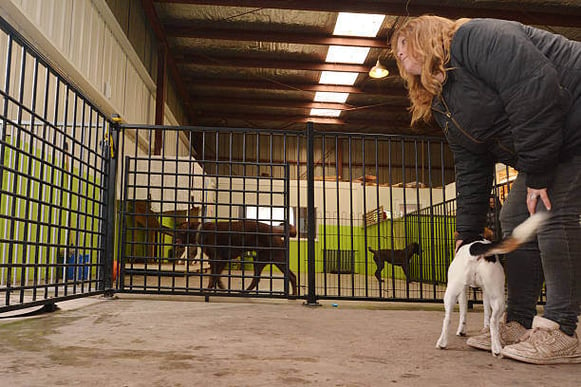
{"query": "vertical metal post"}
(286, 199)
(311, 296)
(3, 130)
(109, 221)
(160, 96)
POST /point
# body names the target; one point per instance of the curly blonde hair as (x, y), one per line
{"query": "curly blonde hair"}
(428, 41)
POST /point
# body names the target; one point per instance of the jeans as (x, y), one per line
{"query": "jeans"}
(554, 256)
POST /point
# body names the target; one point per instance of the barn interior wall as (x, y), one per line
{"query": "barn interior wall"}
(84, 39)
(337, 202)
(87, 43)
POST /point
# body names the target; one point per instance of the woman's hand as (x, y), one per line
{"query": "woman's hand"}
(533, 196)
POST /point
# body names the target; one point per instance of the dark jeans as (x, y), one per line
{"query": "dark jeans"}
(556, 252)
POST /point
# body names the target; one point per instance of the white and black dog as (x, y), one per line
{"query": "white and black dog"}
(476, 265)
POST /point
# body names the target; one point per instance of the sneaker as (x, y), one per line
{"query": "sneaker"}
(510, 333)
(545, 344)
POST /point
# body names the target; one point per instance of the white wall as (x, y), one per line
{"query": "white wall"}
(451, 191)
(351, 197)
(85, 41)
(177, 182)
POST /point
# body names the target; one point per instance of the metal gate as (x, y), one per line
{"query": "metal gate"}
(188, 224)
(354, 200)
(56, 185)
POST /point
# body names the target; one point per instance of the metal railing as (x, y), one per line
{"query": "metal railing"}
(55, 192)
(348, 175)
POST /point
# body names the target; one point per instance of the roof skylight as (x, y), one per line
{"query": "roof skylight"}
(348, 24)
(358, 24)
(325, 112)
(338, 78)
(344, 54)
(326, 96)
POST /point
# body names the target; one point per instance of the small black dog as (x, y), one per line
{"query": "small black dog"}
(395, 257)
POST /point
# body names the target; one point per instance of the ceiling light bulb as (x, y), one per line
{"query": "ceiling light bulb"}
(378, 71)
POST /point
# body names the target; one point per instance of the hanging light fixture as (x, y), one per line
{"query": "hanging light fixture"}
(378, 71)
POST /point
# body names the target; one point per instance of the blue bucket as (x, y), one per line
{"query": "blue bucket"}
(82, 263)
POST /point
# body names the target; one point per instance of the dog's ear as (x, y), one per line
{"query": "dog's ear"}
(488, 234)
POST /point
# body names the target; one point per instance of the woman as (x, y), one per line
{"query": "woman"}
(505, 92)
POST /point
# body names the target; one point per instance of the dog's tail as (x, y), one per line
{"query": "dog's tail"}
(521, 234)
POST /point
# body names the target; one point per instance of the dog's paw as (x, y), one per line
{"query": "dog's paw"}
(441, 344)
(496, 350)
(461, 331)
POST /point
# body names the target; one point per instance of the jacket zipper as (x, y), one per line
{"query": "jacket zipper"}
(444, 113)
(448, 114)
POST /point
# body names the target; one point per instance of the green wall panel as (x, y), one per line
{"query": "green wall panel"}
(433, 234)
(39, 207)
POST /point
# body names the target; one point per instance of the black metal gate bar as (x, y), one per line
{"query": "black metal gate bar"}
(311, 297)
(54, 190)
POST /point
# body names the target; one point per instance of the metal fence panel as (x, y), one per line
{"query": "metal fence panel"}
(165, 197)
(370, 193)
(54, 192)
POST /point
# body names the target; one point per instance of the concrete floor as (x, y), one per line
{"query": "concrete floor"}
(184, 341)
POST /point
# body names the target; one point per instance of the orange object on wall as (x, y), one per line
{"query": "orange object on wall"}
(115, 264)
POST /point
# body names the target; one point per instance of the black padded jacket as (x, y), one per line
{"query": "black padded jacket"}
(512, 95)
